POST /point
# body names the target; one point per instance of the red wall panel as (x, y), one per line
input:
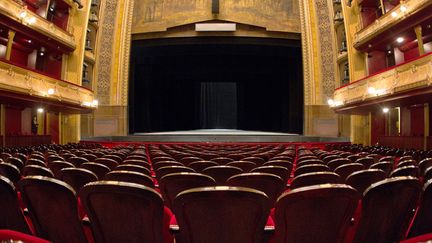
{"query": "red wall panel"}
(13, 120)
(53, 127)
(376, 62)
(417, 121)
(411, 54)
(20, 57)
(378, 126)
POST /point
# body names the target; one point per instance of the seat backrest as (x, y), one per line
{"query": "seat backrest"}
(199, 166)
(246, 166)
(309, 162)
(424, 165)
(407, 163)
(280, 171)
(77, 177)
(11, 216)
(221, 214)
(172, 184)
(347, 169)
(222, 160)
(15, 161)
(136, 162)
(99, 169)
(57, 166)
(136, 168)
(423, 220)
(310, 168)
(162, 171)
(53, 209)
(315, 178)
(334, 163)
(221, 173)
(315, 213)
(366, 161)
(286, 164)
(10, 171)
(34, 161)
(387, 209)
(30, 170)
(410, 170)
(189, 159)
(362, 179)
(271, 185)
(254, 159)
(77, 161)
(131, 177)
(385, 166)
(164, 163)
(137, 217)
(107, 162)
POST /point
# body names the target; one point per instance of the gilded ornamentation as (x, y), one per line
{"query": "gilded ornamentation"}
(387, 21)
(105, 53)
(159, 15)
(399, 79)
(326, 48)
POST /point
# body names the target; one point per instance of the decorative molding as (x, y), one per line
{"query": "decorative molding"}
(106, 51)
(326, 47)
(19, 80)
(396, 80)
(13, 10)
(307, 53)
(125, 53)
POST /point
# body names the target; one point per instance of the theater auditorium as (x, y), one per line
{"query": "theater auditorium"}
(215, 121)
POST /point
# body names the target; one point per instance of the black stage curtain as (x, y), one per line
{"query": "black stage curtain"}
(226, 83)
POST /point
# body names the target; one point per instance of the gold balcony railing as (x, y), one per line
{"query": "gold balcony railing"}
(23, 81)
(411, 75)
(21, 14)
(389, 20)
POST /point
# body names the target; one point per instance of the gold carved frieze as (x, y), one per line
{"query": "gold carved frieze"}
(412, 75)
(159, 15)
(19, 80)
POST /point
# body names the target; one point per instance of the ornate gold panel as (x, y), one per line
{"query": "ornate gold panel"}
(159, 15)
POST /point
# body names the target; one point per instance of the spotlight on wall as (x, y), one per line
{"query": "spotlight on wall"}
(394, 14)
(400, 40)
(23, 14)
(403, 8)
(330, 102)
(385, 110)
(51, 91)
(31, 20)
(40, 110)
(372, 90)
(95, 103)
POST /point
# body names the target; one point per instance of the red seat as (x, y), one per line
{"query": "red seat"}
(14, 236)
(315, 214)
(11, 215)
(387, 209)
(221, 173)
(221, 214)
(124, 212)
(172, 184)
(52, 205)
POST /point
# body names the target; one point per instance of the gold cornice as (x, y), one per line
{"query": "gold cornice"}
(19, 80)
(13, 10)
(412, 75)
(387, 21)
